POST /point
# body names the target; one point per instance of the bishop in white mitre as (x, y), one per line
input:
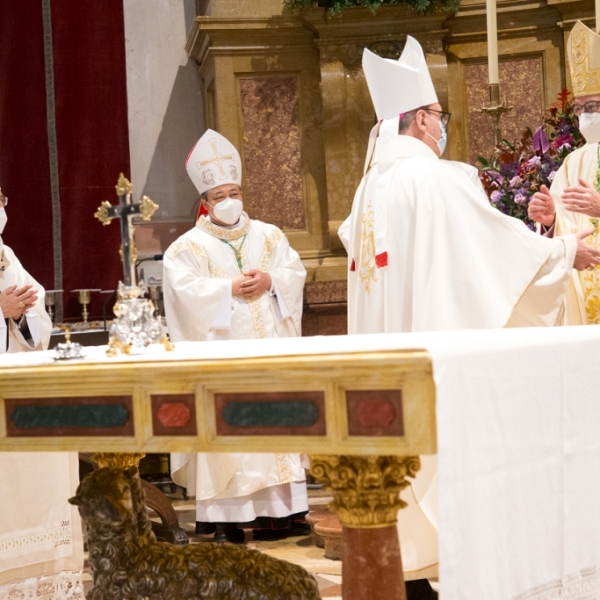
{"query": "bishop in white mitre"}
(230, 278)
(41, 544)
(427, 252)
(573, 202)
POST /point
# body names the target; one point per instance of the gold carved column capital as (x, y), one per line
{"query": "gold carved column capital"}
(119, 461)
(366, 489)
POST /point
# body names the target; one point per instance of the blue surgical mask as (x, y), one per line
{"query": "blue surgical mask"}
(441, 143)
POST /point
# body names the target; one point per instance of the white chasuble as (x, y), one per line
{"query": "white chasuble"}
(39, 324)
(453, 261)
(442, 258)
(583, 292)
(198, 269)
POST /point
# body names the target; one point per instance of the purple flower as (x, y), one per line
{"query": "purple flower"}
(520, 199)
(540, 141)
(515, 181)
(551, 176)
(534, 161)
(496, 195)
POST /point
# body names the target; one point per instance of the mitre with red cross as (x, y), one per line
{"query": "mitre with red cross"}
(213, 161)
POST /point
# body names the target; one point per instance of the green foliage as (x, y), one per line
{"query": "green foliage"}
(337, 6)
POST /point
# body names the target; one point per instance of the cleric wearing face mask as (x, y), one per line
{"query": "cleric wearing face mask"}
(231, 278)
(572, 204)
(24, 323)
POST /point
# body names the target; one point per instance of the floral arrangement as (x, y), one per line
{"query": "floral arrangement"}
(337, 6)
(516, 171)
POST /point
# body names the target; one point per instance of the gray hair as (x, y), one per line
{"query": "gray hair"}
(408, 118)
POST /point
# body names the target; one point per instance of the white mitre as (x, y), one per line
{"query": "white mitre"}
(213, 161)
(397, 86)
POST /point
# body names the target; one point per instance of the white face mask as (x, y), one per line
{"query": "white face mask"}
(441, 143)
(3, 219)
(589, 125)
(228, 211)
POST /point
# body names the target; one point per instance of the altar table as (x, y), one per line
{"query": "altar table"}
(517, 437)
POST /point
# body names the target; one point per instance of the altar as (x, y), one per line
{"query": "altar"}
(512, 414)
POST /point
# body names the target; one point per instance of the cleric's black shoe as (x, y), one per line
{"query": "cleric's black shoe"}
(203, 528)
(228, 532)
(420, 589)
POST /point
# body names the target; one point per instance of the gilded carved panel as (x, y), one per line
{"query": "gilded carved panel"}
(271, 150)
(521, 83)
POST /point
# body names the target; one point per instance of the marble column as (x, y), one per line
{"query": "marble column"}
(366, 498)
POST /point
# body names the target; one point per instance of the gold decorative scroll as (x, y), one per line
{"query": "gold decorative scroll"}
(366, 489)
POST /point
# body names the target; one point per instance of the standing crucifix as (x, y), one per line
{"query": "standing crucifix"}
(124, 211)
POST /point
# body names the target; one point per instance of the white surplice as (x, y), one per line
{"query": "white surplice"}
(583, 293)
(427, 252)
(38, 321)
(198, 269)
(41, 544)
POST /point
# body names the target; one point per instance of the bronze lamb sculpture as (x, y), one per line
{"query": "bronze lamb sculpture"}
(129, 564)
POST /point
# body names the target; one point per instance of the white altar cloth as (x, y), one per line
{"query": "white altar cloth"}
(518, 419)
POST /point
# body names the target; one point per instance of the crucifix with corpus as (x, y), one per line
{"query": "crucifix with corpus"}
(124, 211)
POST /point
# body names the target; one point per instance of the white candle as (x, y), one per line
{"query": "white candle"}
(597, 16)
(492, 39)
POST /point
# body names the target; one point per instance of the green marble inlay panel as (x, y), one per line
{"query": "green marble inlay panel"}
(70, 416)
(296, 413)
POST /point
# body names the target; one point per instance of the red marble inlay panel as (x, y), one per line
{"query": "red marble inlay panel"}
(174, 414)
(375, 412)
(272, 151)
(520, 85)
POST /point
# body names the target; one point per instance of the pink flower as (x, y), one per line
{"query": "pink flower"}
(520, 199)
(551, 176)
(534, 161)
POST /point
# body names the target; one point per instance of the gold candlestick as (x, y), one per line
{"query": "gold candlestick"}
(84, 296)
(495, 109)
(50, 301)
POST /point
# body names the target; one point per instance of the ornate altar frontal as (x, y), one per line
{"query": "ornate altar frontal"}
(218, 397)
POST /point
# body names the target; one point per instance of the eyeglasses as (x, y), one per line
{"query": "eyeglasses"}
(589, 107)
(3, 199)
(444, 116)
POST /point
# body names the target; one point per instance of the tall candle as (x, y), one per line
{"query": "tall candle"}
(492, 39)
(597, 16)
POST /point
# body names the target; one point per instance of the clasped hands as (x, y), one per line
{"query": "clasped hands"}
(15, 301)
(250, 283)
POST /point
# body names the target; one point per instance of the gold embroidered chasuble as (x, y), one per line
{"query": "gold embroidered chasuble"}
(198, 269)
(583, 293)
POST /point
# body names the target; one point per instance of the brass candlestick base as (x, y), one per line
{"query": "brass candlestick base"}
(50, 301)
(495, 109)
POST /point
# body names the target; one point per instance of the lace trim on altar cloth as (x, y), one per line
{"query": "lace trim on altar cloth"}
(583, 585)
(66, 585)
(35, 539)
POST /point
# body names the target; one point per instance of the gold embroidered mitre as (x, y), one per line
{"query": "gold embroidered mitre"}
(583, 50)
